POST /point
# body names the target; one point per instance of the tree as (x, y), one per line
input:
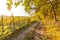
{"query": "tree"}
(40, 4)
(9, 4)
(33, 6)
(17, 3)
(54, 13)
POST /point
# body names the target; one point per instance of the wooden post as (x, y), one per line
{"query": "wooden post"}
(28, 21)
(13, 23)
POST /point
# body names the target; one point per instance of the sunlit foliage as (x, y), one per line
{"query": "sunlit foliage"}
(9, 4)
(47, 12)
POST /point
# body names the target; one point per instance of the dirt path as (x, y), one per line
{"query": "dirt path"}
(22, 34)
(39, 32)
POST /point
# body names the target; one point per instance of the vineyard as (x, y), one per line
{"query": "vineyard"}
(9, 24)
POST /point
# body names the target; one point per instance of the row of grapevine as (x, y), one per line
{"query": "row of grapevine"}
(9, 24)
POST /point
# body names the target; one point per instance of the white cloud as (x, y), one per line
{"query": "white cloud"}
(15, 0)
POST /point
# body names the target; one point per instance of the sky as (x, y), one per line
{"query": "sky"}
(18, 11)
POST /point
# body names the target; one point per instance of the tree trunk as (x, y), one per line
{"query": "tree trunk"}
(54, 13)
